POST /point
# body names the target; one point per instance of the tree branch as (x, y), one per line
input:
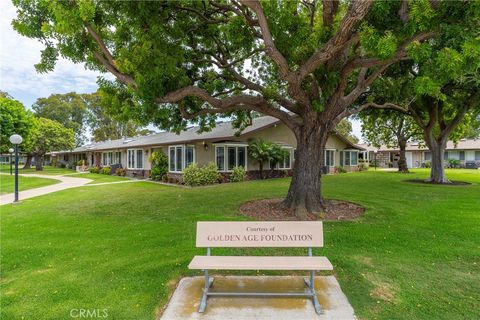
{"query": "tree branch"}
(356, 12)
(106, 59)
(270, 47)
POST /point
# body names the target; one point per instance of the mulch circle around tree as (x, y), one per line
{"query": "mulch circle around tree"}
(275, 210)
(452, 183)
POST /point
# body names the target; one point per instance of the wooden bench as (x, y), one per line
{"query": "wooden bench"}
(275, 234)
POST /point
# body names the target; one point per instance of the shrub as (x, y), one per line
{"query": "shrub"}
(238, 174)
(94, 170)
(210, 174)
(159, 161)
(106, 170)
(428, 164)
(81, 163)
(340, 170)
(362, 167)
(62, 165)
(454, 163)
(120, 172)
(193, 175)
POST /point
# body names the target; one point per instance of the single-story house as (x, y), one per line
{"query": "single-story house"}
(220, 146)
(6, 158)
(466, 151)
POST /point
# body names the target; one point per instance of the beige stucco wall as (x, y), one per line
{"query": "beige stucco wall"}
(278, 133)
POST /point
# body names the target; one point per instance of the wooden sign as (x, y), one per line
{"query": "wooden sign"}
(260, 234)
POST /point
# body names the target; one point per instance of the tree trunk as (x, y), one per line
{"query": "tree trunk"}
(39, 163)
(437, 148)
(260, 167)
(304, 194)
(402, 162)
(28, 162)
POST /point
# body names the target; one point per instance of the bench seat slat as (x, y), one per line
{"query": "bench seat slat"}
(260, 263)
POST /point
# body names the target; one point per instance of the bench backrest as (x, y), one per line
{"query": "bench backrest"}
(260, 234)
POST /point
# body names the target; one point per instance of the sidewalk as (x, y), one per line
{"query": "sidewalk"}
(66, 183)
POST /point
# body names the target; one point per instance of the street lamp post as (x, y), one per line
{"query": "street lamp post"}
(375, 154)
(11, 161)
(16, 139)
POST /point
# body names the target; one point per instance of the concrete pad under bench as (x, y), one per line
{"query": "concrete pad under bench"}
(185, 300)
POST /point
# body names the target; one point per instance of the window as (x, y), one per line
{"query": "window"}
(330, 158)
(135, 159)
(427, 155)
(107, 158)
(220, 158)
(117, 157)
(230, 156)
(477, 155)
(461, 155)
(349, 158)
(287, 161)
(189, 157)
(445, 155)
(139, 159)
(180, 157)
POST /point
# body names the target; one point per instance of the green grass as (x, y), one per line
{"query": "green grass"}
(414, 255)
(100, 178)
(7, 183)
(47, 170)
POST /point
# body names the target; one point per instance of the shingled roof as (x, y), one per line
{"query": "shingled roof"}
(222, 131)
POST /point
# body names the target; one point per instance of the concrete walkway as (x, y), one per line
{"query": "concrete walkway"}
(184, 302)
(65, 183)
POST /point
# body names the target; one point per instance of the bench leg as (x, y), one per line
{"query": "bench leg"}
(203, 301)
(310, 283)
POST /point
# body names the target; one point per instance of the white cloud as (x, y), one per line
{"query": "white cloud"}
(18, 76)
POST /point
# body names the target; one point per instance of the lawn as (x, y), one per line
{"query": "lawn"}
(47, 170)
(100, 178)
(122, 247)
(7, 183)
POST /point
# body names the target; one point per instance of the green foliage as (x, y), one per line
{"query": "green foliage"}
(454, 163)
(344, 127)
(105, 122)
(362, 166)
(340, 169)
(106, 170)
(120, 172)
(14, 119)
(193, 175)
(159, 162)
(238, 174)
(388, 127)
(69, 109)
(94, 170)
(49, 135)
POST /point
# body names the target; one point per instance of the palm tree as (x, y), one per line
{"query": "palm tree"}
(261, 151)
(277, 154)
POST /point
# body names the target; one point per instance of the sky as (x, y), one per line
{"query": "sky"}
(18, 77)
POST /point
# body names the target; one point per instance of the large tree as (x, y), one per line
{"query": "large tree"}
(303, 62)
(68, 109)
(106, 124)
(49, 135)
(390, 128)
(14, 119)
(440, 86)
(344, 127)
